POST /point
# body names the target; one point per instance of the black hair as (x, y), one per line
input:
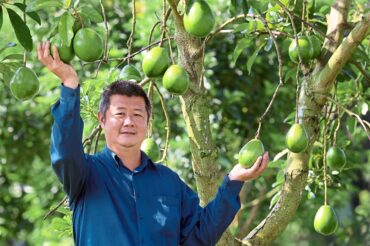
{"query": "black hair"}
(124, 88)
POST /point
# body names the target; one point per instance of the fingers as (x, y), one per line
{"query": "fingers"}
(260, 165)
(264, 162)
(43, 54)
(46, 51)
(39, 51)
(257, 164)
(56, 53)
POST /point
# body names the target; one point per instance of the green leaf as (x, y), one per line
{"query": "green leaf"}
(67, 4)
(8, 45)
(238, 7)
(75, 4)
(268, 46)
(21, 30)
(90, 13)
(253, 57)
(277, 164)
(364, 108)
(240, 46)
(279, 178)
(13, 57)
(65, 28)
(275, 199)
(33, 15)
(8, 70)
(243, 28)
(1, 17)
(43, 4)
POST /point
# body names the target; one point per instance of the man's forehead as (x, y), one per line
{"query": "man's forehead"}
(126, 102)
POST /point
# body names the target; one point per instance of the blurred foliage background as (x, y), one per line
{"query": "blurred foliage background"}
(239, 81)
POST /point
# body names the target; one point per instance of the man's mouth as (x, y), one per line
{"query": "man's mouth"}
(128, 133)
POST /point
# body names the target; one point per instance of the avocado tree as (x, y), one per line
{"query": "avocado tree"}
(310, 44)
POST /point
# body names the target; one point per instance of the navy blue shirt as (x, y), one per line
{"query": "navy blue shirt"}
(112, 205)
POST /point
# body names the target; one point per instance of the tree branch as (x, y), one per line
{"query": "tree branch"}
(337, 20)
(173, 5)
(325, 78)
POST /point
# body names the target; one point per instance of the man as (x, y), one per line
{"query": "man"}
(119, 196)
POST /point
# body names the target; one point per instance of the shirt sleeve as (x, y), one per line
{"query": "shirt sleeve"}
(204, 226)
(66, 151)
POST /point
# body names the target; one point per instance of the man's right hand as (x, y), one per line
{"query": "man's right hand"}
(64, 71)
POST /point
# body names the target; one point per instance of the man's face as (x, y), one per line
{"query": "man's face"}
(125, 122)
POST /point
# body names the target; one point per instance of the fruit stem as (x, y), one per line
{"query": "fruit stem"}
(151, 117)
(151, 32)
(338, 115)
(299, 66)
(131, 38)
(304, 3)
(324, 156)
(25, 21)
(106, 32)
(168, 124)
(280, 76)
(163, 22)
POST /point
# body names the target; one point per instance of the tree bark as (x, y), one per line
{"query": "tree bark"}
(196, 116)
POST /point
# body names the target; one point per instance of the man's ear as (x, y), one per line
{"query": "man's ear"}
(101, 119)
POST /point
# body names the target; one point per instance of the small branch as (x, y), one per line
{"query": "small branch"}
(226, 23)
(244, 229)
(89, 139)
(362, 70)
(268, 195)
(363, 123)
(318, 30)
(173, 5)
(168, 124)
(164, 21)
(122, 60)
(52, 211)
(144, 81)
(97, 140)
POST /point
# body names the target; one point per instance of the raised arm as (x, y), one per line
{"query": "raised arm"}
(67, 157)
(204, 226)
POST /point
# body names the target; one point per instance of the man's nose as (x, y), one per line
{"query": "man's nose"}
(128, 121)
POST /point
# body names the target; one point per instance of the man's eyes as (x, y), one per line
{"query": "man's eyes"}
(124, 114)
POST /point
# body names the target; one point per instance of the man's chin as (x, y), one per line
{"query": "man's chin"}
(127, 145)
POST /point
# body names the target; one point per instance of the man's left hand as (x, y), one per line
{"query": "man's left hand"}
(244, 174)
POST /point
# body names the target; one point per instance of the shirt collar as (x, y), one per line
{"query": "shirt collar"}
(145, 160)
